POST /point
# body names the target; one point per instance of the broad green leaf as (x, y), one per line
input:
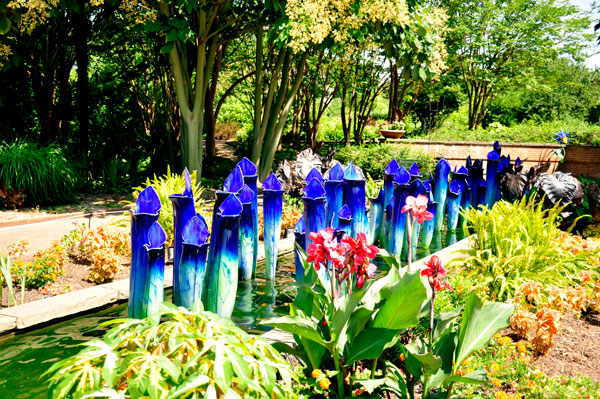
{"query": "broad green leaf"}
(222, 371)
(189, 384)
(358, 320)
(370, 343)
(402, 308)
(296, 325)
(371, 384)
(343, 313)
(429, 362)
(478, 326)
(478, 376)
(445, 320)
(167, 48)
(394, 381)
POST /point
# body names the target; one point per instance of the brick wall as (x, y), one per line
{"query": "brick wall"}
(579, 159)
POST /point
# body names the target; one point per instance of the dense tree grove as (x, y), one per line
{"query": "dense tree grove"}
(128, 87)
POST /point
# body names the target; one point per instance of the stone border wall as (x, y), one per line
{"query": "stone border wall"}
(579, 159)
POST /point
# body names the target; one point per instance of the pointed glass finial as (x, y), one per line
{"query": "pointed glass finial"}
(392, 167)
(247, 167)
(314, 190)
(234, 182)
(455, 187)
(147, 202)
(246, 195)
(350, 173)
(414, 170)
(195, 231)
(336, 173)
(231, 206)
(345, 213)
(272, 183)
(314, 174)
(402, 176)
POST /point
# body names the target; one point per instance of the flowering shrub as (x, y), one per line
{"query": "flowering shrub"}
(539, 309)
(46, 266)
(101, 247)
(508, 366)
(53, 289)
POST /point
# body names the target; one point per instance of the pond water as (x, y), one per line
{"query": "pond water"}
(25, 357)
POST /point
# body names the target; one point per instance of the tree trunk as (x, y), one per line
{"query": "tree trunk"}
(81, 33)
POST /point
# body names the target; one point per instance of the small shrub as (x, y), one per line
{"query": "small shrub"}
(170, 183)
(187, 355)
(45, 173)
(46, 266)
(100, 247)
(373, 159)
(520, 242)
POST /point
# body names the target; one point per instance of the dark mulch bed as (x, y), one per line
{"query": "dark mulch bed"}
(575, 349)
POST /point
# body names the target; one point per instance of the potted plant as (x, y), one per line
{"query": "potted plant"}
(393, 130)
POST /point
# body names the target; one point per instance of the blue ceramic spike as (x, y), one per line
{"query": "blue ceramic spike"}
(454, 199)
(440, 191)
(376, 218)
(334, 194)
(428, 225)
(155, 282)
(250, 174)
(492, 184)
(246, 266)
(272, 213)
(355, 198)
(314, 214)
(183, 211)
(314, 174)
(300, 238)
(146, 212)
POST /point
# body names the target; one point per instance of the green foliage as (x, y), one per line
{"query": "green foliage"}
(46, 173)
(373, 159)
(168, 184)
(519, 242)
(510, 369)
(187, 355)
(361, 325)
(530, 131)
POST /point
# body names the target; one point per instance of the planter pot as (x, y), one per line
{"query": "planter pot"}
(392, 134)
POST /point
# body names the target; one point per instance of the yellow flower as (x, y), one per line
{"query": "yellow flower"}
(531, 384)
(316, 373)
(469, 370)
(324, 383)
(497, 383)
(466, 362)
(495, 367)
(504, 340)
(501, 395)
(521, 347)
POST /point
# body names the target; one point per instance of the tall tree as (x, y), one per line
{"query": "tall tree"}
(497, 42)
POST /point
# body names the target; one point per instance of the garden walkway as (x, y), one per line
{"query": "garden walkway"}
(42, 234)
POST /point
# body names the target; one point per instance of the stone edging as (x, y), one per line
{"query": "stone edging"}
(70, 304)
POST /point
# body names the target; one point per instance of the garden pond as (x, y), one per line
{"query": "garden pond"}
(25, 357)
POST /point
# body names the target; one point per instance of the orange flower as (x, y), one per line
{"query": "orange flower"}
(324, 383)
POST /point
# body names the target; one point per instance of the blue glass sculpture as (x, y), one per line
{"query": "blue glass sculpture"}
(192, 267)
(154, 291)
(462, 177)
(454, 197)
(428, 225)
(475, 177)
(147, 209)
(300, 239)
(183, 211)
(354, 197)
(334, 194)
(497, 148)
(314, 214)
(482, 190)
(388, 190)
(233, 185)
(492, 184)
(314, 174)
(440, 191)
(415, 188)
(247, 268)
(414, 171)
(250, 174)
(272, 211)
(398, 223)
(376, 218)
(223, 259)
(345, 220)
